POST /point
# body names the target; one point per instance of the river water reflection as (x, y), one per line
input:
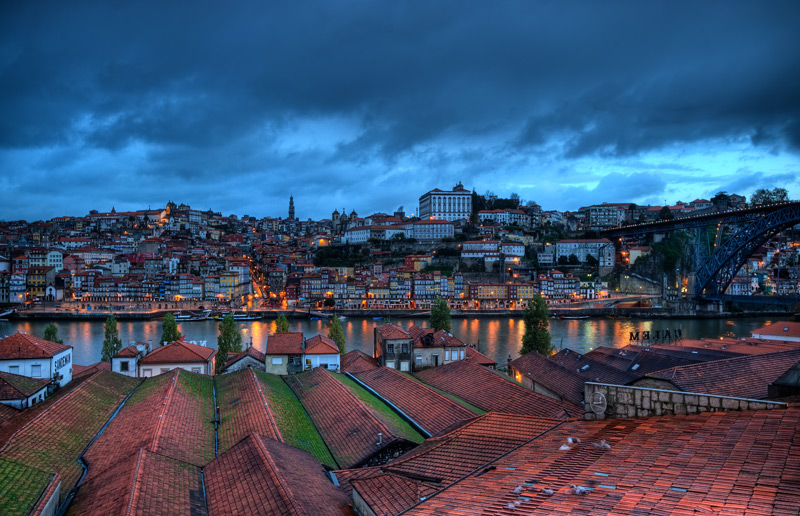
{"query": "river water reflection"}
(495, 337)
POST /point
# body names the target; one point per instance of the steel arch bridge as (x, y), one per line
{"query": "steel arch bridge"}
(715, 275)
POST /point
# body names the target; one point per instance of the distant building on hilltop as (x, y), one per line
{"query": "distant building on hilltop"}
(446, 205)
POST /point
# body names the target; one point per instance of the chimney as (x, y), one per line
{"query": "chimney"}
(509, 363)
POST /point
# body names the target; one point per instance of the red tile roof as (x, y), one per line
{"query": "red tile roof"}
(709, 463)
(348, 426)
(487, 390)
(741, 377)
(143, 483)
(130, 352)
(22, 345)
(392, 331)
(285, 344)
(244, 409)
(476, 357)
(179, 352)
(431, 410)
(563, 382)
(391, 494)
(15, 387)
(79, 371)
(779, 329)
(251, 352)
(357, 361)
(321, 345)
(279, 480)
(591, 370)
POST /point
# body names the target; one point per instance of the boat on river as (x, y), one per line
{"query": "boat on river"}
(192, 316)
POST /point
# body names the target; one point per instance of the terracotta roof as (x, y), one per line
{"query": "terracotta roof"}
(391, 494)
(741, 377)
(591, 370)
(469, 445)
(179, 352)
(487, 390)
(22, 345)
(285, 344)
(129, 352)
(244, 409)
(476, 357)
(643, 360)
(143, 483)
(431, 410)
(15, 387)
(79, 371)
(279, 480)
(392, 331)
(21, 486)
(779, 329)
(57, 436)
(556, 378)
(321, 345)
(251, 352)
(710, 463)
(357, 361)
(427, 337)
(347, 426)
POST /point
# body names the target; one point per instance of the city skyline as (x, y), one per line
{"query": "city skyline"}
(368, 106)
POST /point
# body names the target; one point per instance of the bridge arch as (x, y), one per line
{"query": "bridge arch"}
(715, 275)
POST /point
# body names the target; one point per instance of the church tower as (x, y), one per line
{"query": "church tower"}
(291, 208)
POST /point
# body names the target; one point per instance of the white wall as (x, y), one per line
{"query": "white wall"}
(148, 370)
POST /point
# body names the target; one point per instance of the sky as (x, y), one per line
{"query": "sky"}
(367, 105)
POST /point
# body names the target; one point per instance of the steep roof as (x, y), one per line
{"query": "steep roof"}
(392, 331)
(178, 352)
(22, 345)
(487, 390)
(321, 345)
(15, 387)
(779, 329)
(357, 361)
(742, 377)
(551, 375)
(476, 357)
(591, 370)
(290, 343)
(129, 352)
(280, 480)
(348, 426)
(390, 494)
(251, 352)
(244, 409)
(711, 463)
(431, 410)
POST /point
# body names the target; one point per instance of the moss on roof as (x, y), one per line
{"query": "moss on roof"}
(20, 486)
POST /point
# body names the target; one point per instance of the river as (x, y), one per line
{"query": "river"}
(496, 337)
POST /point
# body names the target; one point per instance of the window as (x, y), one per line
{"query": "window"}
(36, 371)
(419, 360)
(390, 364)
(405, 348)
(14, 369)
(390, 348)
(124, 366)
(404, 365)
(447, 354)
(277, 360)
(147, 373)
(461, 353)
(195, 369)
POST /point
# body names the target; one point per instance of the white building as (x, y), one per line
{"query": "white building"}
(784, 331)
(446, 205)
(430, 230)
(178, 355)
(601, 248)
(33, 357)
(321, 351)
(22, 392)
(506, 217)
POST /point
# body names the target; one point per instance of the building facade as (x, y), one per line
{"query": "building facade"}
(452, 205)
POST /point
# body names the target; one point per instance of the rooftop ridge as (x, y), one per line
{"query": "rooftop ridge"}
(768, 402)
(135, 481)
(277, 475)
(164, 407)
(48, 409)
(266, 407)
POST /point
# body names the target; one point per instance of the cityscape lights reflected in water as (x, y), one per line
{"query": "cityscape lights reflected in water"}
(496, 337)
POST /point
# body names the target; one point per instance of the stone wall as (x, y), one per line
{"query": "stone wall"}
(625, 401)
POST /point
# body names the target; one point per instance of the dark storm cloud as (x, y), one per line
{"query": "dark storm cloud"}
(202, 94)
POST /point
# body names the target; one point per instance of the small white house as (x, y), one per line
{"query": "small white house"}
(321, 351)
(33, 357)
(20, 391)
(175, 355)
(126, 362)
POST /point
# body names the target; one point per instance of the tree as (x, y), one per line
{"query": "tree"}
(573, 259)
(720, 201)
(112, 343)
(169, 329)
(764, 196)
(336, 333)
(229, 340)
(537, 334)
(282, 324)
(665, 214)
(591, 260)
(51, 334)
(440, 315)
